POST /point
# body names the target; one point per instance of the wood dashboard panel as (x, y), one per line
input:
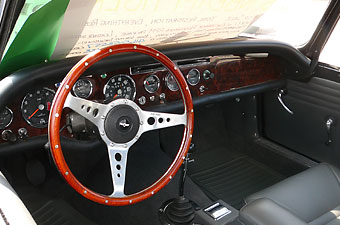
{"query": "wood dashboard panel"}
(230, 72)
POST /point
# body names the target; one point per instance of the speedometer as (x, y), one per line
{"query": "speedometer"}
(35, 107)
(120, 86)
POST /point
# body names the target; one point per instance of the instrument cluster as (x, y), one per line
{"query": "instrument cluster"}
(35, 105)
(148, 85)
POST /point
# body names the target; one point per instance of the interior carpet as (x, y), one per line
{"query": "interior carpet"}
(58, 212)
(230, 176)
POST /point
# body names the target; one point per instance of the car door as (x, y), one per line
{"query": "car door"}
(305, 115)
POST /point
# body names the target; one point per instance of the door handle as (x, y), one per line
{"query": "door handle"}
(279, 97)
(330, 122)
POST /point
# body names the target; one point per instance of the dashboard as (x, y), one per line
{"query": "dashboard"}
(148, 85)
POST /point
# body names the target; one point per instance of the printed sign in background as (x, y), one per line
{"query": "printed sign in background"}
(152, 22)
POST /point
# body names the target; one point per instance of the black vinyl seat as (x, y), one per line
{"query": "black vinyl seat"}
(310, 197)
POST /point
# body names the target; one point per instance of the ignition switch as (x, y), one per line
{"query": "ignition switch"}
(8, 135)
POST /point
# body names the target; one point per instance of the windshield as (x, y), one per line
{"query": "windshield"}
(290, 21)
(56, 29)
(154, 22)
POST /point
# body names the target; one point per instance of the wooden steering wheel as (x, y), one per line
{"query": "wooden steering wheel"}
(120, 124)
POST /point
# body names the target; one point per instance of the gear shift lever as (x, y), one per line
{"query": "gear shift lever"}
(186, 161)
(179, 211)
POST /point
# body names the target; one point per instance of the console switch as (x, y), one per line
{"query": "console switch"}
(217, 211)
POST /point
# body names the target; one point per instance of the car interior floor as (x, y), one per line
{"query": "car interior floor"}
(230, 161)
(229, 164)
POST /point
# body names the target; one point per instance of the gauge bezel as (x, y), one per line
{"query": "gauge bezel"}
(199, 77)
(124, 75)
(158, 83)
(22, 104)
(74, 86)
(10, 122)
(167, 82)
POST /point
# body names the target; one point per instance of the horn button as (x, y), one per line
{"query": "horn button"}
(121, 124)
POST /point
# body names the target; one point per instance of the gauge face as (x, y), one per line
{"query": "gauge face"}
(35, 107)
(151, 83)
(171, 82)
(193, 77)
(120, 86)
(6, 117)
(83, 88)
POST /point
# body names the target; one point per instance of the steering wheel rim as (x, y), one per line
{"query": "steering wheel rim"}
(63, 98)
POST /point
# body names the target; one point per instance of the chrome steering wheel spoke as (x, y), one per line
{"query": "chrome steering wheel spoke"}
(156, 120)
(92, 111)
(118, 162)
(103, 116)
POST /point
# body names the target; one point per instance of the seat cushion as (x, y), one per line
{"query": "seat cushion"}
(264, 211)
(312, 196)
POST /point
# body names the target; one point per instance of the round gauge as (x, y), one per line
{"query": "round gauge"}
(151, 83)
(83, 88)
(193, 77)
(35, 107)
(6, 117)
(120, 86)
(171, 82)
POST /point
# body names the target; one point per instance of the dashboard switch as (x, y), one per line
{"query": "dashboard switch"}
(8, 135)
(162, 98)
(142, 100)
(22, 132)
(202, 89)
(207, 74)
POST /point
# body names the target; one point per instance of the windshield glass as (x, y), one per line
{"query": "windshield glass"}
(154, 22)
(55, 29)
(290, 21)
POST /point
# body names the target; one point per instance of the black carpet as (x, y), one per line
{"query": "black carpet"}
(233, 178)
(146, 163)
(223, 167)
(59, 212)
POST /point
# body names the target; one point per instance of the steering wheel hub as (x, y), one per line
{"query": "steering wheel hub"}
(121, 124)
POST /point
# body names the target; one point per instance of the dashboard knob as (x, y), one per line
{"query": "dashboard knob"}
(142, 100)
(207, 74)
(162, 98)
(8, 135)
(22, 132)
(203, 88)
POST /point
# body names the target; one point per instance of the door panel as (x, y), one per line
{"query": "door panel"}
(313, 104)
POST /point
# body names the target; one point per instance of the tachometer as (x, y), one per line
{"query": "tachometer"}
(151, 83)
(35, 107)
(120, 86)
(6, 117)
(171, 82)
(83, 88)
